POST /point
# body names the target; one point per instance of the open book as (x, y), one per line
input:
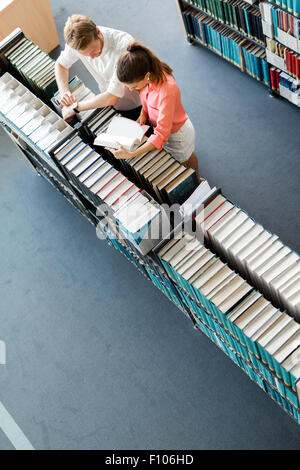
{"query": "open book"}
(124, 131)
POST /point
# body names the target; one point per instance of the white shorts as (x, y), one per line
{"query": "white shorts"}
(181, 144)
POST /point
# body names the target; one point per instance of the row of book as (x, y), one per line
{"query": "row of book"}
(291, 60)
(100, 182)
(236, 13)
(254, 324)
(34, 118)
(157, 172)
(32, 64)
(254, 252)
(230, 45)
(292, 6)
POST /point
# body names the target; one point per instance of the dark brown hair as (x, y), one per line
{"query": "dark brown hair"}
(137, 61)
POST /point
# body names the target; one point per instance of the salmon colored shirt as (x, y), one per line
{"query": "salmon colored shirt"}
(165, 112)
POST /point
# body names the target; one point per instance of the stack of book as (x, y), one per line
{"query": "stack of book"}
(253, 251)
(157, 172)
(42, 126)
(236, 13)
(283, 57)
(33, 65)
(80, 92)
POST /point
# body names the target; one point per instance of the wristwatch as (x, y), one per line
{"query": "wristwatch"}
(74, 107)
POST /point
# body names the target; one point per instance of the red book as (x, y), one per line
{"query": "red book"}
(294, 57)
(272, 78)
(298, 67)
(277, 73)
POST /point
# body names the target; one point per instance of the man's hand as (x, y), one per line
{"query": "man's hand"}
(67, 112)
(67, 99)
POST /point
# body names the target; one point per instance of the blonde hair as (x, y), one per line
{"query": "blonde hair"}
(137, 61)
(80, 31)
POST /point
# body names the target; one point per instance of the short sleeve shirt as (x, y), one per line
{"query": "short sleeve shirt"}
(103, 68)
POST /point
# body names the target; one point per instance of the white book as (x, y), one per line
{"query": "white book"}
(73, 153)
(282, 264)
(124, 131)
(191, 258)
(271, 246)
(205, 261)
(208, 273)
(117, 193)
(87, 166)
(282, 336)
(202, 192)
(234, 297)
(245, 239)
(224, 293)
(114, 183)
(123, 199)
(221, 225)
(79, 158)
(209, 208)
(190, 247)
(275, 256)
(216, 216)
(220, 281)
(251, 312)
(292, 360)
(67, 147)
(91, 180)
(176, 248)
(33, 125)
(274, 329)
(267, 325)
(253, 246)
(259, 320)
(103, 180)
(25, 117)
(286, 349)
(244, 305)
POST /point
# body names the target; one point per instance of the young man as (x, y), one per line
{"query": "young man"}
(99, 49)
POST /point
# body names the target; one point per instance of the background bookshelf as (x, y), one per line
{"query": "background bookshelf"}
(150, 264)
(270, 50)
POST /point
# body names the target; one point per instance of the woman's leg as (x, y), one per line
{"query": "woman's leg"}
(192, 162)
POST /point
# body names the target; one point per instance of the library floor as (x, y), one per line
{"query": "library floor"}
(97, 357)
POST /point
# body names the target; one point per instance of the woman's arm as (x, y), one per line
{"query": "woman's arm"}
(122, 153)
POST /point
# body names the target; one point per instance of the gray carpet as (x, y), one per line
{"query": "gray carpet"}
(97, 357)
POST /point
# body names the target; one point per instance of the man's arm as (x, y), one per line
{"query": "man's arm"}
(99, 101)
(62, 79)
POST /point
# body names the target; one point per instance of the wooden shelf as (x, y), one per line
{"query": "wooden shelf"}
(34, 17)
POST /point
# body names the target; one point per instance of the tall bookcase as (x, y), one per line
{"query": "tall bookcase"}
(204, 316)
(239, 32)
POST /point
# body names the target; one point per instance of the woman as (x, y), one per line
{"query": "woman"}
(139, 69)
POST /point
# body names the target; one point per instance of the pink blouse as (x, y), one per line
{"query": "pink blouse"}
(165, 112)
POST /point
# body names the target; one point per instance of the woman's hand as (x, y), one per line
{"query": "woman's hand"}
(142, 119)
(120, 153)
(67, 112)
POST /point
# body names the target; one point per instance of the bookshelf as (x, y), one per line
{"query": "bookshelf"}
(233, 30)
(34, 17)
(181, 275)
(211, 23)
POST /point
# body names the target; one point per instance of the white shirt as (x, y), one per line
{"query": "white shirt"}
(103, 68)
